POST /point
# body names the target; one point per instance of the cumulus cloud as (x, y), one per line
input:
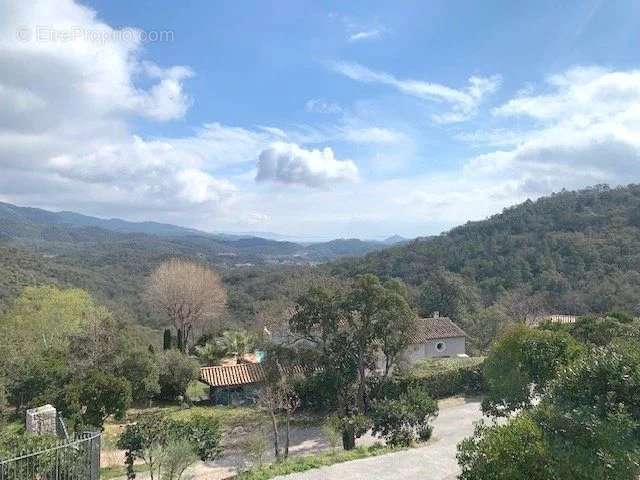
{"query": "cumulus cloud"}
(65, 128)
(586, 131)
(463, 103)
(289, 163)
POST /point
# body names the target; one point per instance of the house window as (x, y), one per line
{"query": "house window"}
(441, 346)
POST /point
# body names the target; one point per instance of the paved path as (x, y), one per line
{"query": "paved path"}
(434, 461)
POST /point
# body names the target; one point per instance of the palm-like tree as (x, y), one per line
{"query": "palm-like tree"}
(210, 354)
(238, 343)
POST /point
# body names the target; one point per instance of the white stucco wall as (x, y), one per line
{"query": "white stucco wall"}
(452, 347)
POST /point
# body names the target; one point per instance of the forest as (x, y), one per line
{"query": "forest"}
(574, 252)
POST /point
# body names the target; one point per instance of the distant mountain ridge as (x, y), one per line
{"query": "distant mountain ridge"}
(58, 232)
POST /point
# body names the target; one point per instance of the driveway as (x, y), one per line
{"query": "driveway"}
(435, 461)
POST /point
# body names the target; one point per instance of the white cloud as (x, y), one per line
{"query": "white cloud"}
(586, 130)
(372, 135)
(319, 105)
(290, 164)
(463, 103)
(65, 130)
(365, 35)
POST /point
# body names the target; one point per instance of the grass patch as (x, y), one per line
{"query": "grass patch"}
(228, 417)
(197, 391)
(107, 473)
(308, 462)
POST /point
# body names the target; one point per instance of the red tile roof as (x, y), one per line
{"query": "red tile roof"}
(238, 375)
(435, 328)
(232, 375)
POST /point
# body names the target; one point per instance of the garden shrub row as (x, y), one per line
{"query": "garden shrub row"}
(441, 378)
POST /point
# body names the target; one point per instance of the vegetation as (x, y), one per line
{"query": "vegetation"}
(350, 327)
(586, 424)
(176, 372)
(571, 252)
(191, 295)
(405, 420)
(521, 364)
(308, 462)
(441, 378)
(169, 446)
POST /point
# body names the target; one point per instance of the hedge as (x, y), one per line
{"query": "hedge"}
(441, 378)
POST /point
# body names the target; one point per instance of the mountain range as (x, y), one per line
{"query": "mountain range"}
(55, 232)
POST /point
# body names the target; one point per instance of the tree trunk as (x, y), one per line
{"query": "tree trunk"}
(276, 445)
(348, 439)
(286, 439)
(362, 388)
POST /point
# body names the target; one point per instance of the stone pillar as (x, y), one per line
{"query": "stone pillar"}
(42, 420)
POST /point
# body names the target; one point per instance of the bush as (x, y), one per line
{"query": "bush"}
(440, 378)
(177, 370)
(316, 391)
(521, 364)
(405, 420)
(152, 433)
(515, 451)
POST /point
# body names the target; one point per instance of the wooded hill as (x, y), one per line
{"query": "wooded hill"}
(575, 252)
(571, 252)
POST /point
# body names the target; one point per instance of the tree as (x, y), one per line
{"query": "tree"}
(270, 400)
(447, 293)
(586, 425)
(176, 372)
(167, 339)
(97, 395)
(349, 326)
(406, 419)
(521, 364)
(210, 353)
(237, 343)
(515, 451)
(140, 367)
(190, 294)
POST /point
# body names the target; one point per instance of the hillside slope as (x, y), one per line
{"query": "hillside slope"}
(579, 250)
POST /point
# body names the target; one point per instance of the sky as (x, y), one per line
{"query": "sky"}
(315, 120)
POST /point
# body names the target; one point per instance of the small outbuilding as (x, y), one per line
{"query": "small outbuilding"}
(233, 384)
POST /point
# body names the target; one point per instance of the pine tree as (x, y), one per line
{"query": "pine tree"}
(167, 340)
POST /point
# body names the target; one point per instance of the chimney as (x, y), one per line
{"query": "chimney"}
(436, 314)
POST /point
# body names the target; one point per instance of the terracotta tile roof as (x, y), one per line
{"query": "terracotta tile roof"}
(434, 328)
(237, 375)
(232, 375)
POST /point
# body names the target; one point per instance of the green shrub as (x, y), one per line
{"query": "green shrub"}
(405, 420)
(151, 434)
(177, 370)
(441, 378)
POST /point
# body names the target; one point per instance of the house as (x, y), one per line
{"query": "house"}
(233, 384)
(237, 384)
(435, 337)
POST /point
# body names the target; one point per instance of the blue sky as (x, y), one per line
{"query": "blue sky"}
(315, 119)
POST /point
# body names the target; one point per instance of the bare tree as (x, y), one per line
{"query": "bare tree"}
(270, 400)
(191, 295)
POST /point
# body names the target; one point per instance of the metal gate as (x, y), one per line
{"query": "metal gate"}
(78, 459)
